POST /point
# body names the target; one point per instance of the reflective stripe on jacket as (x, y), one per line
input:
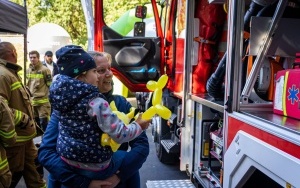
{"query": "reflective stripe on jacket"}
(7, 128)
(18, 99)
(39, 80)
(7, 133)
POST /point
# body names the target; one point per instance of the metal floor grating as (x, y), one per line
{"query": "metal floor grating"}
(168, 143)
(169, 183)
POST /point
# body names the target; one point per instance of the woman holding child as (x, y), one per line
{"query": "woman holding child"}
(61, 173)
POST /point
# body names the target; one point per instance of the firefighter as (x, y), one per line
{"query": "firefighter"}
(8, 137)
(20, 155)
(39, 80)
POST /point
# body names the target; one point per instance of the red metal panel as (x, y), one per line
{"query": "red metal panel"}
(159, 34)
(212, 18)
(99, 23)
(235, 125)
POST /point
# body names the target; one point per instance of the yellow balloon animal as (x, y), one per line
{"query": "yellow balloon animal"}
(106, 140)
(157, 107)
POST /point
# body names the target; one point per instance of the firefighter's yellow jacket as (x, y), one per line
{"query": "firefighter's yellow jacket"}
(18, 99)
(39, 80)
(8, 137)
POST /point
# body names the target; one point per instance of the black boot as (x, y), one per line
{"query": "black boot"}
(15, 179)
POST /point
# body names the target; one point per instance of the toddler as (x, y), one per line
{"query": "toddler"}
(85, 115)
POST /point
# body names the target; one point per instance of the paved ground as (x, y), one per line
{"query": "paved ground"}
(152, 169)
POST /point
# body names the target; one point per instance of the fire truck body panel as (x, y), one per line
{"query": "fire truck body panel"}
(248, 153)
(258, 138)
(137, 59)
(285, 139)
(230, 141)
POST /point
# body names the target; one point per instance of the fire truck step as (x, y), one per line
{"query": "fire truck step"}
(170, 183)
(170, 146)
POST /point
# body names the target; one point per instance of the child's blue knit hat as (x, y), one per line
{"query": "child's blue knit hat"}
(72, 60)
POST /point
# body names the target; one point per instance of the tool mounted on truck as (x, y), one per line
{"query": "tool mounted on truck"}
(222, 119)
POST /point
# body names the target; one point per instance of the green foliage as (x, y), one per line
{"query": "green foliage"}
(110, 7)
(125, 23)
(69, 14)
(66, 13)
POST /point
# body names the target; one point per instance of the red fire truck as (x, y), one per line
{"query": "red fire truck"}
(221, 58)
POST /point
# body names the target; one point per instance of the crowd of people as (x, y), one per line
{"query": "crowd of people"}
(71, 105)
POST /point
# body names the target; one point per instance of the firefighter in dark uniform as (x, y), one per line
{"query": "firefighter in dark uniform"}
(39, 80)
(8, 137)
(21, 155)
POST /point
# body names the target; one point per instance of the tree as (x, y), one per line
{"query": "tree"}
(66, 13)
(69, 14)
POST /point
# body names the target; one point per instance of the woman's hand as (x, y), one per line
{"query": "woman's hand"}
(114, 179)
(100, 183)
(110, 182)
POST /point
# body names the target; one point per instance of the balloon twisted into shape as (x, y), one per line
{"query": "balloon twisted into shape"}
(157, 107)
(106, 140)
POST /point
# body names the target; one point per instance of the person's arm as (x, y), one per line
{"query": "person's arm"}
(135, 157)
(51, 160)
(28, 72)
(8, 134)
(20, 118)
(47, 77)
(55, 69)
(134, 160)
(111, 124)
(122, 104)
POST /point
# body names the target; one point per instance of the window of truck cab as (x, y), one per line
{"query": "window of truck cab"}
(120, 17)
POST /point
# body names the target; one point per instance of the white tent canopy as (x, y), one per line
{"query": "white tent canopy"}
(13, 17)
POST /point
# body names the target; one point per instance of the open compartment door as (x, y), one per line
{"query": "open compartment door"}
(135, 41)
